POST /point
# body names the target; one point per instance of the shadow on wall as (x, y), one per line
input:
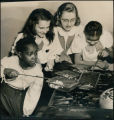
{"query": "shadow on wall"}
(9, 31)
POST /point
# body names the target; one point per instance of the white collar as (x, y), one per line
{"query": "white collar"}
(39, 40)
(69, 33)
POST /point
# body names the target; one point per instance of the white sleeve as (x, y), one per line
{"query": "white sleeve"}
(55, 47)
(78, 43)
(106, 39)
(32, 96)
(19, 36)
(53, 51)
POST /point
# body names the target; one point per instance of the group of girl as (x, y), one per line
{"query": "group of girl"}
(44, 41)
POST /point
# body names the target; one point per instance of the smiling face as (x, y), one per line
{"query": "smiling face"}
(42, 28)
(28, 58)
(68, 20)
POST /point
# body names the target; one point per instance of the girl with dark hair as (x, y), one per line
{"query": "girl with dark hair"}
(22, 80)
(96, 47)
(68, 32)
(40, 26)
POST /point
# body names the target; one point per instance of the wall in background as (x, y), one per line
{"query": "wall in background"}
(14, 15)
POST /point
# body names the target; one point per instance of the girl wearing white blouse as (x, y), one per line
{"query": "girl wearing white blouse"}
(40, 26)
(68, 32)
(96, 48)
(22, 80)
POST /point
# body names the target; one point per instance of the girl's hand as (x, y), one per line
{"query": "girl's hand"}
(102, 64)
(111, 67)
(63, 57)
(49, 66)
(57, 59)
(10, 73)
(104, 53)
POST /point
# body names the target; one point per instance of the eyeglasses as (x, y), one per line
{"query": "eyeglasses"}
(92, 40)
(68, 21)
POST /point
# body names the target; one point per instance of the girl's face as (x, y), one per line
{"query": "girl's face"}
(42, 28)
(68, 20)
(28, 58)
(92, 40)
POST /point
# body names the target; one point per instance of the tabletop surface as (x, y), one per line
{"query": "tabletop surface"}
(80, 103)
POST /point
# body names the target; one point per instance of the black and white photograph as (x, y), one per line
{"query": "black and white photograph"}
(56, 60)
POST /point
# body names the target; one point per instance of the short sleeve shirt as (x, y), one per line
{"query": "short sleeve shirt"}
(106, 41)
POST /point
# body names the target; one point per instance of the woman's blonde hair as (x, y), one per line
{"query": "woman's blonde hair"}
(69, 7)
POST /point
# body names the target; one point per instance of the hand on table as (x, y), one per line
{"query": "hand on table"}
(104, 53)
(102, 64)
(49, 66)
(63, 57)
